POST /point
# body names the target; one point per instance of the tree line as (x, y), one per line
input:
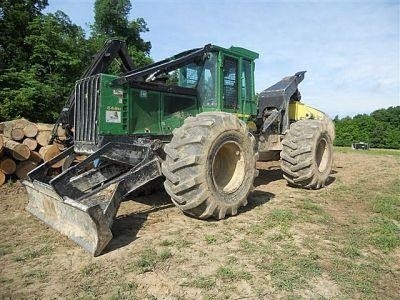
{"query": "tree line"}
(381, 129)
(43, 54)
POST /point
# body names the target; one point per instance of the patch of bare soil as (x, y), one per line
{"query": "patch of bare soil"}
(286, 242)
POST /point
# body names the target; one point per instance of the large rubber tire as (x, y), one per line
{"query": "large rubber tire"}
(210, 165)
(307, 153)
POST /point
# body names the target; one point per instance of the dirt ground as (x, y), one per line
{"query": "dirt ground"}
(342, 241)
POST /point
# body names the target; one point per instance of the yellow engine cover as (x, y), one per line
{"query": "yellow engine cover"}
(300, 111)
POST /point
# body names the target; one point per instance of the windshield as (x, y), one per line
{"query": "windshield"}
(201, 77)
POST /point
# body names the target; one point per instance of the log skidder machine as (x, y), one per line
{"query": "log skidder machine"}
(191, 120)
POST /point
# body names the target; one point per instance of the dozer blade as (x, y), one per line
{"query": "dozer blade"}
(82, 202)
(86, 226)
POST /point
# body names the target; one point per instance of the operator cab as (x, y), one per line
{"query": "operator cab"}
(223, 79)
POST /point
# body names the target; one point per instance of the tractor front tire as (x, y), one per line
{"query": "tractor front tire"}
(307, 153)
(210, 165)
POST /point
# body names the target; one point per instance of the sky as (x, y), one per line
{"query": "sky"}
(350, 49)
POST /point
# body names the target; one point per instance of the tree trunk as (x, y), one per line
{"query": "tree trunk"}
(48, 152)
(43, 137)
(31, 143)
(44, 127)
(16, 134)
(15, 129)
(7, 165)
(30, 130)
(35, 157)
(2, 178)
(24, 167)
(18, 151)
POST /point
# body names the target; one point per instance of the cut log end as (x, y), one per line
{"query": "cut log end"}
(7, 166)
(24, 167)
(18, 151)
(17, 134)
(30, 130)
(49, 152)
(2, 178)
(31, 143)
(43, 138)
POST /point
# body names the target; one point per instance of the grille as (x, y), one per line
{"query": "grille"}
(86, 109)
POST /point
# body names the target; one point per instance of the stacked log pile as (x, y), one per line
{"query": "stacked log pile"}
(24, 145)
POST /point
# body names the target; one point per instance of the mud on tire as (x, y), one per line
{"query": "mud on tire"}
(210, 165)
(307, 153)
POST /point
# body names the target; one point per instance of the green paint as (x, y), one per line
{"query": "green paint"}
(144, 113)
(113, 108)
(223, 82)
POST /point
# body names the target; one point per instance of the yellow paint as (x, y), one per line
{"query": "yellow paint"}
(241, 116)
(252, 126)
(300, 111)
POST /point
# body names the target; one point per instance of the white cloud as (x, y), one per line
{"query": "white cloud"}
(350, 49)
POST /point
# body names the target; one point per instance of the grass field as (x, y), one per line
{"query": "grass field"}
(342, 241)
(371, 151)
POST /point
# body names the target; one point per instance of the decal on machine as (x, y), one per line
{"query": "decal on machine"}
(143, 94)
(120, 94)
(113, 114)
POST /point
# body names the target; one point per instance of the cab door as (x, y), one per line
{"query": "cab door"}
(229, 85)
(246, 99)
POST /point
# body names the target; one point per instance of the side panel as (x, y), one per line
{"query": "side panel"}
(176, 108)
(112, 108)
(140, 111)
(145, 111)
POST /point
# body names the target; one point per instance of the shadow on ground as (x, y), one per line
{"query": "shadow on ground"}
(330, 180)
(126, 227)
(257, 198)
(267, 176)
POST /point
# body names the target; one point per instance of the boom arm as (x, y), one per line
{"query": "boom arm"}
(165, 65)
(112, 49)
(276, 99)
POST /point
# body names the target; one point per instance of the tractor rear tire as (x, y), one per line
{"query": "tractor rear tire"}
(210, 165)
(307, 153)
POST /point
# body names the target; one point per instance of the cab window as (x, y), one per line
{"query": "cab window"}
(230, 83)
(246, 88)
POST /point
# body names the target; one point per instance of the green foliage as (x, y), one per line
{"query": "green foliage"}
(381, 129)
(111, 20)
(57, 55)
(15, 15)
(41, 56)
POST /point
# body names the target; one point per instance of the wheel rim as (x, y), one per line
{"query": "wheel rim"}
(228, 167)
(322, 155)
